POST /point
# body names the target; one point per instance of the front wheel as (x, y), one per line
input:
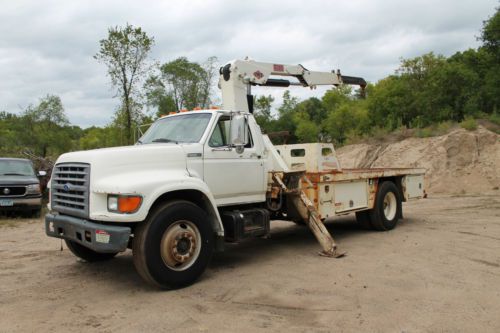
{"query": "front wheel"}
(387, 210)
(172, 248)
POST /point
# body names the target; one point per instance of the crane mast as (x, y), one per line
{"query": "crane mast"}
(238, 76)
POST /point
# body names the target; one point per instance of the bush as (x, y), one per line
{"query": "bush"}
(469, 124)
(353, 137)
(444, 127)
(424, 132)
(379, 133)
(495, 118)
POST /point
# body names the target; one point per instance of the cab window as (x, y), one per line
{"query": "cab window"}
(220, 135)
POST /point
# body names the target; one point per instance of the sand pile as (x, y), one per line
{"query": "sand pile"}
(458, 162)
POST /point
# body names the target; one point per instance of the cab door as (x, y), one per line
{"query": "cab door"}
(233, 177)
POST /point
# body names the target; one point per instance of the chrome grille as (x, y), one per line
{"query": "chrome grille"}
(69, 192)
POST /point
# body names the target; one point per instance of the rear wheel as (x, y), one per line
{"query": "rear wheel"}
(172, 248)
(87, 254)
(387, 210)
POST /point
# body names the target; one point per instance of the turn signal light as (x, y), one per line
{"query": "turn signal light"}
(124, 204)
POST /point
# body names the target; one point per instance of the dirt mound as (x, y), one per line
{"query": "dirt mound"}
(458, 162)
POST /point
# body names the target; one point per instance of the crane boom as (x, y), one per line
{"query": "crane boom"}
(237, 77)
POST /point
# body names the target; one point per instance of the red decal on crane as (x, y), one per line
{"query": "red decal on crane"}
(258, 75)
(278, 68)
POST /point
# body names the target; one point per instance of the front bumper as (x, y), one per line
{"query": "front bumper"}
(98, 237)
(22, 203)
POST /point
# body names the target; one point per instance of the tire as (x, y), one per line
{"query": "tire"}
(172, 248)
(387, 210)
(87, 254)
(363, 219)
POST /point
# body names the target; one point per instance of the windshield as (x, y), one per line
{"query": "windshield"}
(16, 168)
(179, 129)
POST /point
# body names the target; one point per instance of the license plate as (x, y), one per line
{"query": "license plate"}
(6, 203)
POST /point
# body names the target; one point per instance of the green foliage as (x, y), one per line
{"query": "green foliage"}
(495, 118)
(125, 52)
(351, 118)
(263, 106)
(42, 129)
(469, 124)
(424, 132)
(490, 34)
(443, 127)
(306, 130)
(286, 111)
(262, 111)
(181, 84)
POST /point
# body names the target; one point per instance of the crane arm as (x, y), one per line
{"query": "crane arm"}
(237, 77)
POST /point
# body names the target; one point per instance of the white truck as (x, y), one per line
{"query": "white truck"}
(200, 178)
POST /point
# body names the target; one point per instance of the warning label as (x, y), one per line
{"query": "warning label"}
(102, 236)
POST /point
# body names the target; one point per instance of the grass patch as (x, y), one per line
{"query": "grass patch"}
(424, 132)
(495, 118)
(469, 124)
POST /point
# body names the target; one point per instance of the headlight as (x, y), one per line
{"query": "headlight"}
(125, 204)
(33, 189)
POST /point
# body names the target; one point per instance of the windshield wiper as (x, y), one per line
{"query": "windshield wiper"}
(13, 174)
(163, 140)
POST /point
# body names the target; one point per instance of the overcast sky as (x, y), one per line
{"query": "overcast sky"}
(47, 46)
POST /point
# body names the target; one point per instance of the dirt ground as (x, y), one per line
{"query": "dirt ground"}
(438, 271)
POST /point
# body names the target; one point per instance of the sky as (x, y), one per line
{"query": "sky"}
(47, 47)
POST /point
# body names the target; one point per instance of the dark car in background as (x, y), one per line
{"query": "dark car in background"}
(19, 186)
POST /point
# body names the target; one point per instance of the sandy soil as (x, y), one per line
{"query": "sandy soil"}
(438, 271)
(459, 162)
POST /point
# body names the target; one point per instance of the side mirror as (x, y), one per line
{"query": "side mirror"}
(239, 132)
(42, 173)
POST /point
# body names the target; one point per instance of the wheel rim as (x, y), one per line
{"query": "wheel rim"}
(180, 245)
(390, 206)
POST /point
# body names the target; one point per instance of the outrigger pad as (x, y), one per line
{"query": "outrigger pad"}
(336, 254)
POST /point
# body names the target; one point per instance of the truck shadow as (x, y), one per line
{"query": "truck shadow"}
(286, 239)
(292, 239)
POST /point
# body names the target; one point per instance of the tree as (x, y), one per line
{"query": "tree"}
(286, 113)
(350, 118)
(490, 34)
(262, 112)
(305, 129)
(47, 127)
(182, 84)
(125, 53)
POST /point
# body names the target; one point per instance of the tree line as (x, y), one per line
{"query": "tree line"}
(425, 90)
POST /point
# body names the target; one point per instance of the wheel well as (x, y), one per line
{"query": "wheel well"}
(194, 196)
(397, 180)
